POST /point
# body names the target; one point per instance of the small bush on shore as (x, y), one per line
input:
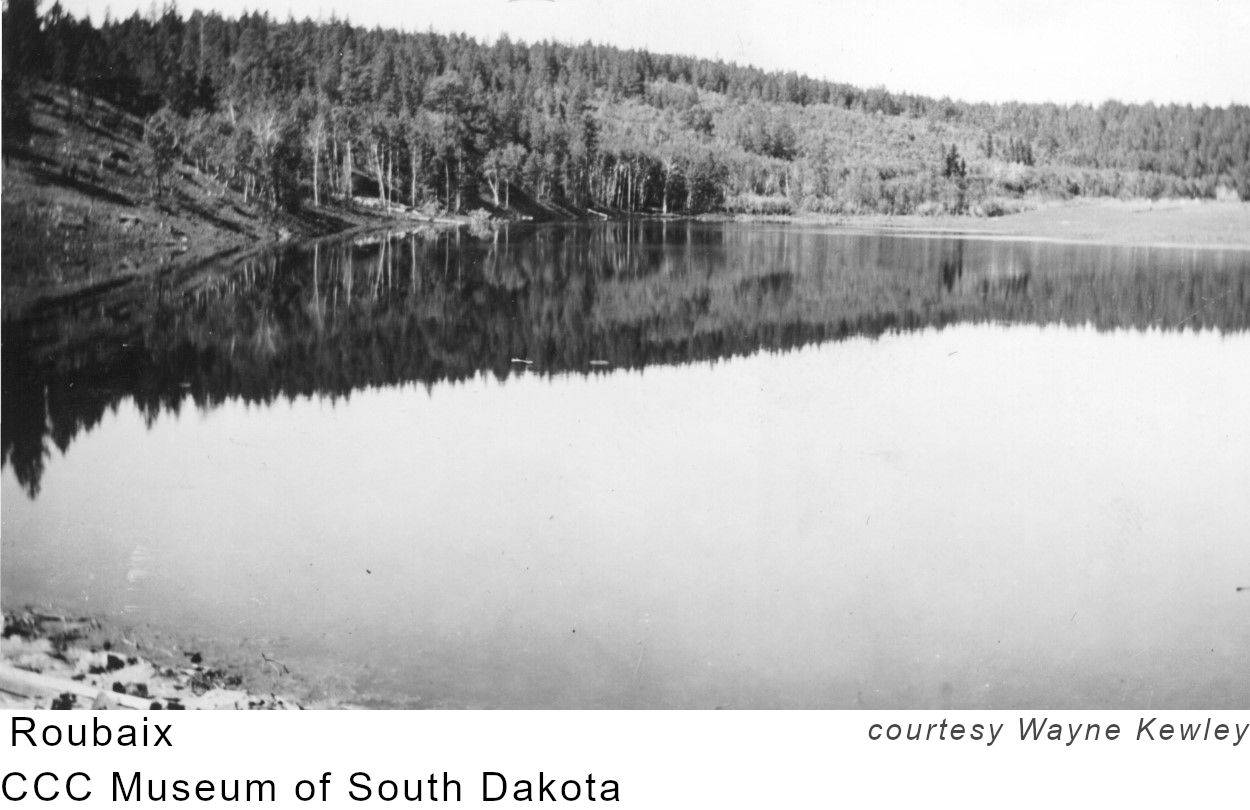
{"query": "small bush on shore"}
(770, 205)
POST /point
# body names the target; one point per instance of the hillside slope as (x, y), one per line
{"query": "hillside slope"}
(308, 110)
(79, 207)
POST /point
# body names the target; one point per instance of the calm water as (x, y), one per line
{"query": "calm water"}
(745, 466)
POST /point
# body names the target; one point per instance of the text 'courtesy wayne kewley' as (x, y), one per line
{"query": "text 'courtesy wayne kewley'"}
(1149, 729)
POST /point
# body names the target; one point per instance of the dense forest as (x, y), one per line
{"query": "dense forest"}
(296, 113)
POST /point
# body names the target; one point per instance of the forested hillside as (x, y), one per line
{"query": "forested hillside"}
(293, 113)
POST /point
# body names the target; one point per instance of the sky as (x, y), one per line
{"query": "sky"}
(1187, 51)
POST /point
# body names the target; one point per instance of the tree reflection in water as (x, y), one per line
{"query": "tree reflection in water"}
(327, 318)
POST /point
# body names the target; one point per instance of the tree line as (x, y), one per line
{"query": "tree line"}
(301, 112)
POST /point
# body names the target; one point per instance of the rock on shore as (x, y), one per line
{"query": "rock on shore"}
(61, 662)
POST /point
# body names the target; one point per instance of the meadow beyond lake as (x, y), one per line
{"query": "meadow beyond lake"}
(655, 464)
(1142, 223)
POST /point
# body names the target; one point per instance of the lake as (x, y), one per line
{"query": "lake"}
(657, 465)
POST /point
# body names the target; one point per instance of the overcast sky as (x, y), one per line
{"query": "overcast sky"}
(1031, 50)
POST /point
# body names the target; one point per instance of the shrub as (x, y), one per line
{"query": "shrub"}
(771, 204)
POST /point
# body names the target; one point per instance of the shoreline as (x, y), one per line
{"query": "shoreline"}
(69, 661)
(1171, 224)
(80, 212)
(152, 260)
(1165, 224)
(240, 250)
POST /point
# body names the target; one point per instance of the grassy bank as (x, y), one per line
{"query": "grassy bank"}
(1182, 223)
(79, 208)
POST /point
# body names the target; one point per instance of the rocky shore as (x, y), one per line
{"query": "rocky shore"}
(73, 662)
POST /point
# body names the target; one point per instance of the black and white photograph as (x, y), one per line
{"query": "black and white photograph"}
(594, 354)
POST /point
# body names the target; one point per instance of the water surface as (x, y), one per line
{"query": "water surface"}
(743, 466)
